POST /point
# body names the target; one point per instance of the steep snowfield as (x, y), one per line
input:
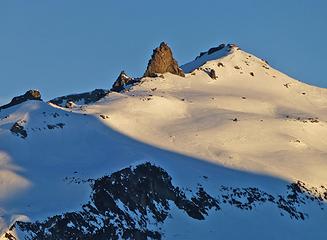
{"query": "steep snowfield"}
(281, 126)
(251, 127)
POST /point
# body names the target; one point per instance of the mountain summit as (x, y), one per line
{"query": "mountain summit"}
(233, 150)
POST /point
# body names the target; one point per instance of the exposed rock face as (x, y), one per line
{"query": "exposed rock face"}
(145, 193)
(162, 61)
(81, 98)
(122, 81)
(133, 202)
(29, 95)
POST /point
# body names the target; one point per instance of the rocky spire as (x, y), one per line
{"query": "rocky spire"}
(29, 95)
(122, 80)
(162, 61)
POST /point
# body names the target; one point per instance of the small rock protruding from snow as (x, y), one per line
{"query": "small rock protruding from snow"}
(162, 61)
(29, 95)
(70, 104)
(18, 130)
(212, 74)
(122, 80)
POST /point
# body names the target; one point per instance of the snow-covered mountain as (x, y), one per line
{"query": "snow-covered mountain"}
(232, 150)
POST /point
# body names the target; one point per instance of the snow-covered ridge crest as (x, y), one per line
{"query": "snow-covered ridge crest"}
(29, 95)
(212, 54)
(124, 81)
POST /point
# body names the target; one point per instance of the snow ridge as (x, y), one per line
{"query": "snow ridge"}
(212, 54)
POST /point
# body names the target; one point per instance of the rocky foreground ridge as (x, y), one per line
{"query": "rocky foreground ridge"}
(134, 202)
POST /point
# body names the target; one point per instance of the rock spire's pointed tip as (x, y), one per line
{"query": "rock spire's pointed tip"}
(162, 61)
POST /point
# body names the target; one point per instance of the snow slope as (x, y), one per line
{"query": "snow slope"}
(252, 127)
(281, 123)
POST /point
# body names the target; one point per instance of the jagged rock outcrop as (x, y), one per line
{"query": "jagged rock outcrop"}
(162, 61)
(81, 98)
(29, 95)
(122, 81)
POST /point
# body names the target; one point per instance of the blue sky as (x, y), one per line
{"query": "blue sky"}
(62, 47)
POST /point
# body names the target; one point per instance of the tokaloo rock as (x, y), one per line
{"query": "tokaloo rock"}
(162, 61)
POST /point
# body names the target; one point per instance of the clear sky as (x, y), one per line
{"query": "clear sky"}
(69, 46)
